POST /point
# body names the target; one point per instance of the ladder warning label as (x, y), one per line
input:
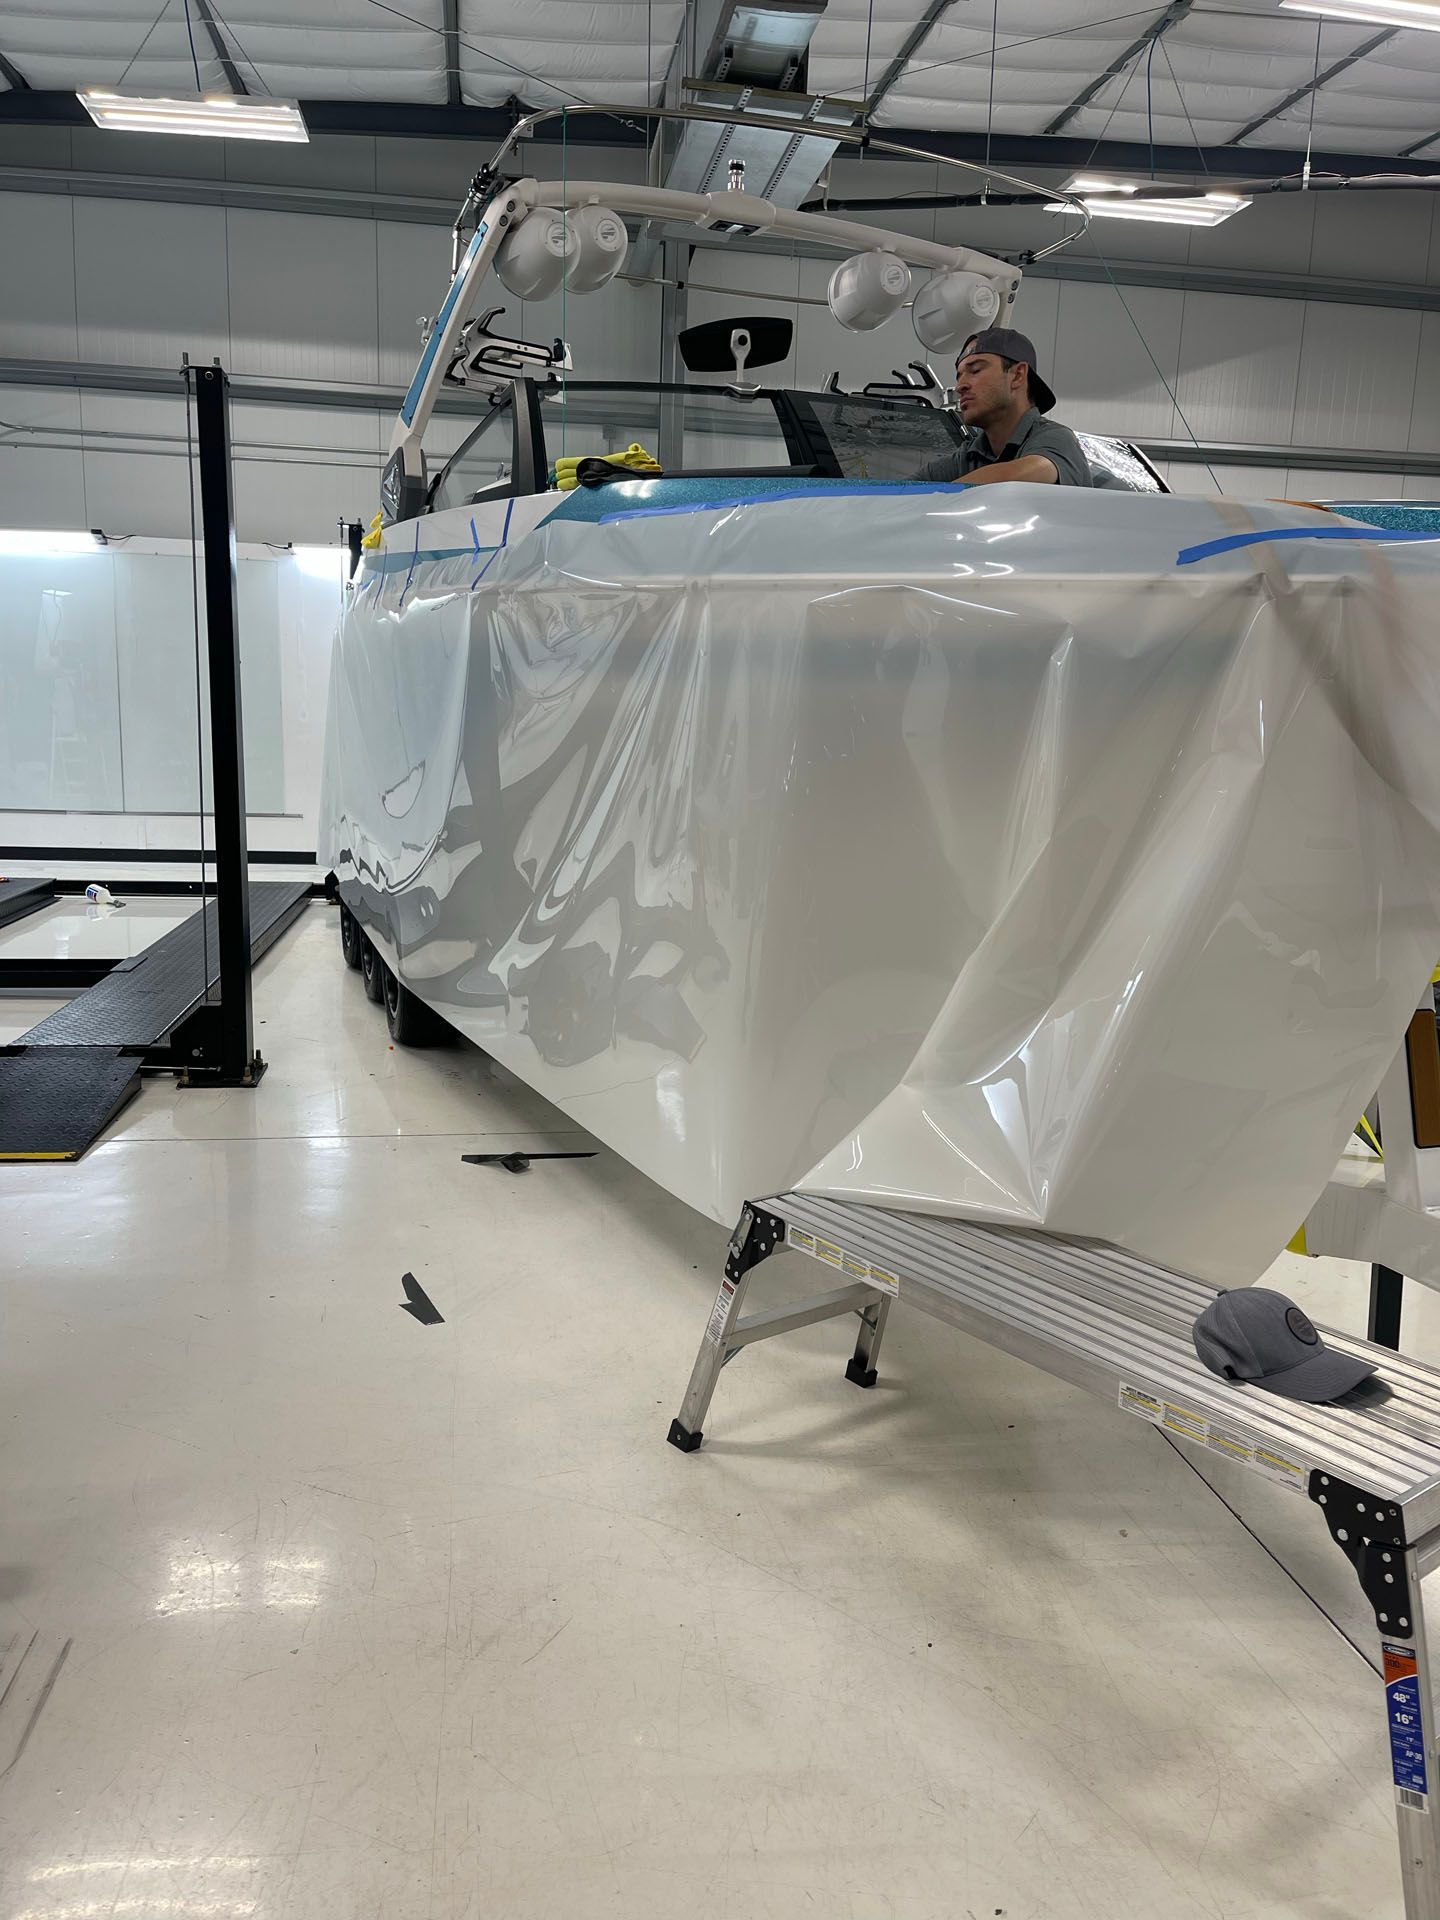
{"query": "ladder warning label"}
(1407, 1736)
(834, 1256)
(720, 1312)
(1190, 1425)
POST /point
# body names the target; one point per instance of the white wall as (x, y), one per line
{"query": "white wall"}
(98, 655)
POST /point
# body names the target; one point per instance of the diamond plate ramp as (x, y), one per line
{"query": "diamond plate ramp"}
(55, 1100)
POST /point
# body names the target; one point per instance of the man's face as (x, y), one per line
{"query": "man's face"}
(986, 387)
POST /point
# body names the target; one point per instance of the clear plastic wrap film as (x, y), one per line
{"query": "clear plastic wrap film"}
(982, 851)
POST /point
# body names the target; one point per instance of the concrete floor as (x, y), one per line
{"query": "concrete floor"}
(327, 1613)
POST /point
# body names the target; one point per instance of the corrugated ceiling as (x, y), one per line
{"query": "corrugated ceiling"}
(1215, 72)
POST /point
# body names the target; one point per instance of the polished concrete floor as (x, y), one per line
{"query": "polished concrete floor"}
(307, 1609)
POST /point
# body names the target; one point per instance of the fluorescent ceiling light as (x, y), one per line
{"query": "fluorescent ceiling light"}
(47, 543)
(213, 116)
(1424, 14)
(1123, 200)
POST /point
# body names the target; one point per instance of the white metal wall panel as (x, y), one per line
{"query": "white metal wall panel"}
(1357, 376)
(150, 282)
(1102, 372)
(413, 270)
(37, 302)
(1358, 236)
(42, 471)
(1319, 483)
(1425, 415)
(1274, 234)
(303, 296)
(1239, 362)
(1239, 483)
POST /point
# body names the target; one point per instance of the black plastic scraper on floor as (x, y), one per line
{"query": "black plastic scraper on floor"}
(520, 1162)
(419, 1303)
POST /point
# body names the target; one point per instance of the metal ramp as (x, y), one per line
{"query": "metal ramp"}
(1120, 1326)
(19, 897)
(63, 1082)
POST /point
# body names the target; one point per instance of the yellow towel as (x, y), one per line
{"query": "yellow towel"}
(636, 457)
(373, 537)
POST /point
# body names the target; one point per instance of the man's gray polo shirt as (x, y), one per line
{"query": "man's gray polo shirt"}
(1033, 434)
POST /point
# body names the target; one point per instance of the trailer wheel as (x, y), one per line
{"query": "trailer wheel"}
(352, 940)
(411, 1022)
(372, 971)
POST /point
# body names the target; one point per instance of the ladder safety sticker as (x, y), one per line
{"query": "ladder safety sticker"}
(1407, 1737)
(834, 1256)
(1193, 1426)
(1190, 1425)
(720, 1312)
(1230, 1447)
(1145, 1405)
(1287, 1473)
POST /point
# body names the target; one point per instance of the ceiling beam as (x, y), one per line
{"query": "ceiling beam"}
(222, 52)
(1171, 17)
(1407, 153)
(1313, 86)
(913, 42)
(450, 41)
(13, 74)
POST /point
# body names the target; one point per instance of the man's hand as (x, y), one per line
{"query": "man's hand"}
(1030, 466)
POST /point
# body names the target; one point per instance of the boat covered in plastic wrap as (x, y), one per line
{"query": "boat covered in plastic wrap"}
(1046, 856)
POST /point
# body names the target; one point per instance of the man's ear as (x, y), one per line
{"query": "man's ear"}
(1021, 384)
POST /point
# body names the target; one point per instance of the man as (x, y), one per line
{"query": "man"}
(1002, 401)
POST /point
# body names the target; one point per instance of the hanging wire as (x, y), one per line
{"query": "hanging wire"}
(1314, 90)
(231, 34)
(564, 289)
(1150, 101)
(1180, 96)
(1031, 40)
(990, 105)
(869, 28)
(188, 374)
(1160, 371)
(190, 35)
(165, 8)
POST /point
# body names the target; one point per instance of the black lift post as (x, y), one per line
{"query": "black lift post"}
(216, 1045)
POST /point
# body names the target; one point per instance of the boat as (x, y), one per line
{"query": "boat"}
(1044, 856)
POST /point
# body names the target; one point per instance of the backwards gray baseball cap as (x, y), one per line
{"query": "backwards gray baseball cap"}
(1257, 1336)
(1011, 345)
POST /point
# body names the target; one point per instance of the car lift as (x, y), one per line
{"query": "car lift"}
(1120, 1326)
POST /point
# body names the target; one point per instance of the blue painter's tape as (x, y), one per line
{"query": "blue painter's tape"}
(432, 345)
(492, 551)
(1188, 555)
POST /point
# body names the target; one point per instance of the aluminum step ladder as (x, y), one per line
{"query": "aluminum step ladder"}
(1120, 1326)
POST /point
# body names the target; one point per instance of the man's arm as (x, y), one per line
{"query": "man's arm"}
(1030, 466)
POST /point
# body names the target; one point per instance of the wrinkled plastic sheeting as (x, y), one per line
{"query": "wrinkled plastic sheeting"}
(957, 852)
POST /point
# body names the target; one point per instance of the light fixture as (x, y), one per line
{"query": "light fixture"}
(48, 543)
(215, 116)
(867, 288)
(1424, 14)
(601, 244)
(1125, 200)
(534, 255)
(951, 306)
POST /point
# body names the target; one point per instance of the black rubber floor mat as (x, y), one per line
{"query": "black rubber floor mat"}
(55, 1100)
(138, 1003)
